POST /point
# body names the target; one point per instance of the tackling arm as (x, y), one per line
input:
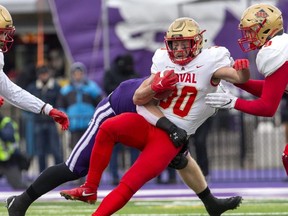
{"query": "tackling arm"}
(252, 86)
(272, 93)
(144, 96)
(152, 113)
(144, 93)
(155, 117)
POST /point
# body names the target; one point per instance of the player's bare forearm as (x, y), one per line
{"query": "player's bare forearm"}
(243, 76)
(239, 73)
(151, 106)
(242, 68)
(144, 93)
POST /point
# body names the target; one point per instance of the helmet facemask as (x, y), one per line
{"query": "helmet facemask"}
(250, 40)
(6, 29)
(7, 41)
(187, 53)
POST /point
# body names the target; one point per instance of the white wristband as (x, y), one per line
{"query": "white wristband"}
(46, 109)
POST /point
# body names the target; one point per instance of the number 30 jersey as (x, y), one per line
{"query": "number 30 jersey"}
(186, 106)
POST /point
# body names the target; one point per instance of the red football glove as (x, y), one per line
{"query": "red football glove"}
(60, 117)
(167, 82)
(285, 159)
(241, 64)
(1, 101)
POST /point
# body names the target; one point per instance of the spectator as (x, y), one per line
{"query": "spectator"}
(56, 59)
(79, 99)
(47, 139)
(122, 69)
(27, 75)
(12, 161)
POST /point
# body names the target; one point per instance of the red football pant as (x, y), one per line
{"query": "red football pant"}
(132, 130)
(285, 158)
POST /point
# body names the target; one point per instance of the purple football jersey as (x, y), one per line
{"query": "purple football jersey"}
(121, 99)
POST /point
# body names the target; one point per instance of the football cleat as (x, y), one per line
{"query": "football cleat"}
(223, 205)
(12, 209)
(82, 193)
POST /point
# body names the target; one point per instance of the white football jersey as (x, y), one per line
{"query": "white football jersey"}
(186, 107)
(272, 55)
(15, 95)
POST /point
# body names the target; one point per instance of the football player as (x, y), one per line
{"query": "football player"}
(262, 28)
(119, 101)
(12, 92)
(199, 71)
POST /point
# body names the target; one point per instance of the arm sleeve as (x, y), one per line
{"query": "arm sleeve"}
(273, 89)
(19, 97)
(252, 86)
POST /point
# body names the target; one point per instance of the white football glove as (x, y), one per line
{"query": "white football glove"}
(221, 100)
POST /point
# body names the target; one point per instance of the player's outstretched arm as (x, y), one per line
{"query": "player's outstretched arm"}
(221, 100)
(58, 116)
(22, 99)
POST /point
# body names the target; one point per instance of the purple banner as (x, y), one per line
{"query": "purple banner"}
(138, 27)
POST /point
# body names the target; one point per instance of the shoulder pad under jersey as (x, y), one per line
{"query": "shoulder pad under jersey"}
(159, 60)
(219, 57)
(272, 55)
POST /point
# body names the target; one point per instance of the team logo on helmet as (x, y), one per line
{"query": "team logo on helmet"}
(261, 14)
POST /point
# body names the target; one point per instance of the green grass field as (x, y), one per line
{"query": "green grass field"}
(180, 208)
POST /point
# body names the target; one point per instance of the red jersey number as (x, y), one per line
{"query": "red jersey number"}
(179, 108)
